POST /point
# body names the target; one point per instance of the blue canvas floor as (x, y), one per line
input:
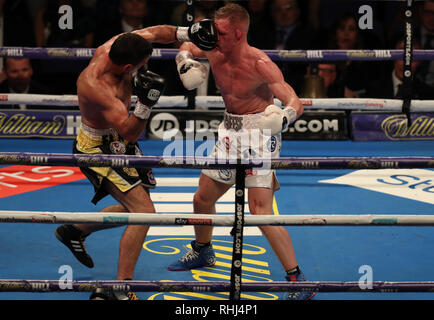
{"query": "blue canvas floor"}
(325, 253)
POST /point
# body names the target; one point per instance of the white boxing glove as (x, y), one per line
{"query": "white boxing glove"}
(191, 72)
(277, 119)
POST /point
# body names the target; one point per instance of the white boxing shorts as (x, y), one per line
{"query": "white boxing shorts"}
(240, 138)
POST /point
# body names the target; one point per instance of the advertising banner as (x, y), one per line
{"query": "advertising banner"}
(40, 124)
(391, 126)
(195, 124)
(318, 125)
(165, 124)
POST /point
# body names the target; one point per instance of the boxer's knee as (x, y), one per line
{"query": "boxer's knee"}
(260, 201)
(203, 202)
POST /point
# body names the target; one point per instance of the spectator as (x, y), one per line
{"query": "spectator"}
(207, 8)
(286, 32)
(322, 14)
(328, 72)
(19, 73)
(355, 75)
(131, 15)
(259, 11)
(390, 85)
(15, 27)
(17, 24)
(49, 34)
(426, 13)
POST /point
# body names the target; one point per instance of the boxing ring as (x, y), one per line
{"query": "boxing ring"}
(353, 227)
(377, 238)
(300, 178)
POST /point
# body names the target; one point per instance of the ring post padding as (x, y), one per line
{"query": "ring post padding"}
(237, 233)
(407, 87)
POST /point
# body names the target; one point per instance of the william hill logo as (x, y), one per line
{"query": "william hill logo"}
(22, 124)
(396, 128)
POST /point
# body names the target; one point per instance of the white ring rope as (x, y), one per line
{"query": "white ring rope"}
(365, 104)
(46, 217)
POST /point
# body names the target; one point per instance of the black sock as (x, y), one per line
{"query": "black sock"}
(200, 245)
(293, 271)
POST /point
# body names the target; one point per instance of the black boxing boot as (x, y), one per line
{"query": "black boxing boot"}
(73, 238)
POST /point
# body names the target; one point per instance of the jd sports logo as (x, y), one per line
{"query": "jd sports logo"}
(163, 123)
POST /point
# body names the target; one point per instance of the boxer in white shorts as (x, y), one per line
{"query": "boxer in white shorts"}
(240, 137)
(248, 81)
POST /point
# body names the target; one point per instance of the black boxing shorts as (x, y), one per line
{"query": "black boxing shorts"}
(107, 141)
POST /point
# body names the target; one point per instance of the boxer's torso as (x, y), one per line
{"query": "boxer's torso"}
(242, 87)
(96, 85)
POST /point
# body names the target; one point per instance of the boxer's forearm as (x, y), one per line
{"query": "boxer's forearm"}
(195, 51)
(286, 94)
(159, 34)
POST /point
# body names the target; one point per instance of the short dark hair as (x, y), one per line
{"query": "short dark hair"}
(130, 48)
(7, 59)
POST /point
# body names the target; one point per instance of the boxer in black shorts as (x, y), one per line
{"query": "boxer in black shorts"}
(118, 70)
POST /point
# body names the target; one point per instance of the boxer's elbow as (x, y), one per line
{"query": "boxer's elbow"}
(131, 134)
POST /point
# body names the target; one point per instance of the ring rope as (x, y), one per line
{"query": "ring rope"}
(20, 285)
(277, 55)
(121, 218)
(200, 162)
(365, 104)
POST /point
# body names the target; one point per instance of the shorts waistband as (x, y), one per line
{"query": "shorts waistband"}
(242, 121)
(96, 133)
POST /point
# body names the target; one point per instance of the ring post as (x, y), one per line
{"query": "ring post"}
(237, 233)
(407, 89)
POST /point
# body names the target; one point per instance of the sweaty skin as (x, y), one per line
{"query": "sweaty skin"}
(248, 81)
(247, 78)
(104, 96)
(104, 89)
